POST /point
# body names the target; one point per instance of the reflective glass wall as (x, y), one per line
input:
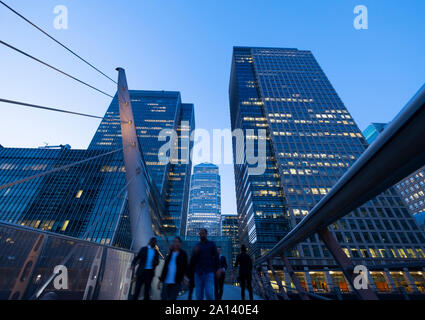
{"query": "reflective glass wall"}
(84, 270)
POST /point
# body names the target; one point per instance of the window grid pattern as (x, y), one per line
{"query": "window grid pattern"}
(314, 141)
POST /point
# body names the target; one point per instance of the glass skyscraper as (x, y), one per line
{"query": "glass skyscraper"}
(412, 191)
(205, 200)
(230, 228)
(312, 141)
(66, 201)
(84, 200)
(411, 188)
(153, 112)
(373, 130)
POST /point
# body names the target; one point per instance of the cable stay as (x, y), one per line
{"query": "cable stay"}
(49, 109)
(55, 40)
(56, 69)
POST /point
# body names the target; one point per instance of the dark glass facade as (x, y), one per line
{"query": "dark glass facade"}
(85, 200)
(67, 201)
(153, 112)
(230, 229)
(313, 141)
(260, 201)
(412, 191)
(179, 176)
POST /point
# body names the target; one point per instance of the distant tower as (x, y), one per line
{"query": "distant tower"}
(411, 188)
(230, 229)
(205, 200)
(373, 130)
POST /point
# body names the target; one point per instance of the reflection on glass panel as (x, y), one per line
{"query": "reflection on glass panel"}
(380, 281)
(281, 276)
(418, 278)
(318, 280)
(28, 258)
(302, 278)
(400, 280)
(273, 282)
(339, 281)
(116, 279)
(14, 263)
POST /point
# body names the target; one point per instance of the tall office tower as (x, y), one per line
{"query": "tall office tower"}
(180, 172)
(230, 229)
(153, 112)
(312, 142)
(411, 188)
(67, 201)
(85, 200)
(204, 201)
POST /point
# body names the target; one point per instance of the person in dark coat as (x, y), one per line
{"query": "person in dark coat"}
(174, 271)
(205, 259)
(244, 262)
(147, 260)
(221, 274)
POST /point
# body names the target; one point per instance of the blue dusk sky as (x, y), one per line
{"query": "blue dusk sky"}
(187, 46)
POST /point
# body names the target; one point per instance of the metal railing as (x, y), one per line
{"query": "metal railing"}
(29, 257)
(396, 153)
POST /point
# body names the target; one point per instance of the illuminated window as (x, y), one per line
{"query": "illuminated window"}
(402, 253)
(347, 253)
(65, 225)
(79, 193)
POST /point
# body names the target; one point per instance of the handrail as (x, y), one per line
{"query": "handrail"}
(311, 294)
(397, 152)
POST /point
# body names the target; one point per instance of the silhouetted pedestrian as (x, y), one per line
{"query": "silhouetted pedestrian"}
(205, 259)
(221, 274)
(245, 272)
(174, 270)
(147, 260)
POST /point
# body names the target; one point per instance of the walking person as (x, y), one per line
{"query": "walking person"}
(221, 274)
(174, 270)
(205, 260)
(245, 272)
(147, 260)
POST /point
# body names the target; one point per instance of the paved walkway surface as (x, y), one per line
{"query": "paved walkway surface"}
(229, 293)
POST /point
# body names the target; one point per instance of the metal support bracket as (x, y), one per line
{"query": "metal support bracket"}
(345, 264)
(279, 282)
(295, 279)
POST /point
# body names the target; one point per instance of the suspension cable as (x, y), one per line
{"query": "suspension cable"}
(57, 41)
(14, 183)
(48, 108)
(56, 69)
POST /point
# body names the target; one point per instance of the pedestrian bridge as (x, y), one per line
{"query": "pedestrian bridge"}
(28, 258)
(32, 261)
(229, 293)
